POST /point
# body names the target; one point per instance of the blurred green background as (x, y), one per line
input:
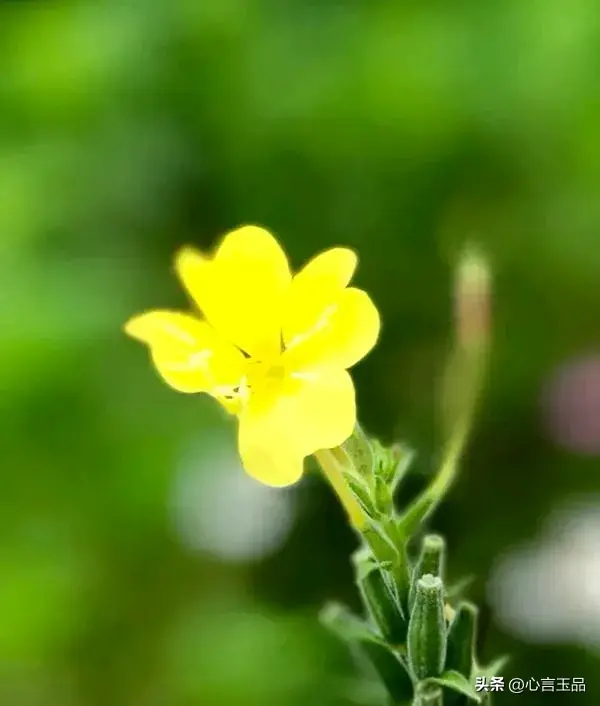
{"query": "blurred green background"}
(139, 567)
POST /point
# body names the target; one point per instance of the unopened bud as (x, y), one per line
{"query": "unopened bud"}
(431, 561)
(427, 629)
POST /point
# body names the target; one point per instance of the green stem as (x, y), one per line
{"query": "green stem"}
(424, 505)
(431, 497)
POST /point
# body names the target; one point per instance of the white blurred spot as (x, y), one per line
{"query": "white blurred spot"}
(549, 591)
(219, 509)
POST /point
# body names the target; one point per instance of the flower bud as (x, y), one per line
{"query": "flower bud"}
(431, 561)
(427, 629)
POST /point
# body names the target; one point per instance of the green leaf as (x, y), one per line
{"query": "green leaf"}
(461, 640)
(391, 669)
(381, 544)
(361, 492)
(494, 669)
(346, 625)
(389, 666)
(380, 596)
(456, 682)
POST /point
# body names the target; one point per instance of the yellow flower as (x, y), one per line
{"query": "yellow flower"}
(272, 348)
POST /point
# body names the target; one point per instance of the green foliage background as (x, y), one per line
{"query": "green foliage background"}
(397, 128)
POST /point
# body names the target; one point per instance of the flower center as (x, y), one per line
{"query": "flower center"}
(263, 375)
(276, 373)
(265, 378)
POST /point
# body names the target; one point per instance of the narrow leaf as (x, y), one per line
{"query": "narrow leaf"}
(391, 669)
(461, 640)
(388, 665)
(494, 669)
(346, 625)
(380, 597)
(456, 682)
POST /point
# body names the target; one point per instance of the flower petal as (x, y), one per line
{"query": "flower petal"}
(317, 285)
(188, 353)
(241, 290)
(278, 430)
(347, 330)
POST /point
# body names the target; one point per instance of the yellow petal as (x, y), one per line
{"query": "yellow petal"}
(188, 353)
(278, 430)
(242, 289)
(316, 286)
(347, 330)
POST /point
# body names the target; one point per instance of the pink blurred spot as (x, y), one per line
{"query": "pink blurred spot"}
(572, 405)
